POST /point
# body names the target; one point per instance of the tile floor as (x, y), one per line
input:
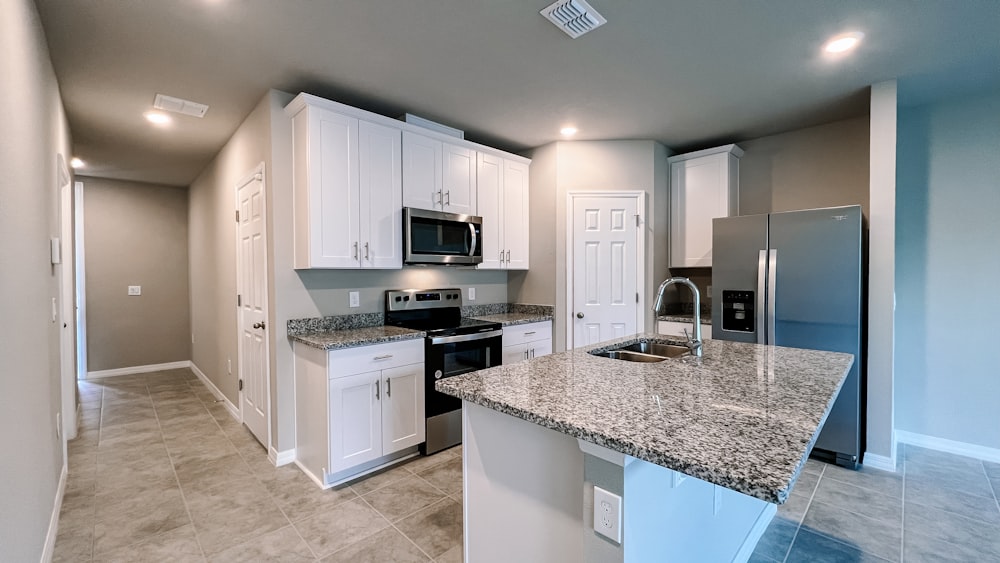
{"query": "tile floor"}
(161, 472)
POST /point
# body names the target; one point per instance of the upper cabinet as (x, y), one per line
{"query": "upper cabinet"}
(347, 189)
(503, 204)
(704, 185)
(438, 175)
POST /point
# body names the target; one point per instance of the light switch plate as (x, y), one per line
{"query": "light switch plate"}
(472, 294)
(135, 290)
(608, 514)
(354, 298)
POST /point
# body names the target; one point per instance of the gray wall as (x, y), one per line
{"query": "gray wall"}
(136, 234)
(822, 166)
(34, 132)
(947, 267)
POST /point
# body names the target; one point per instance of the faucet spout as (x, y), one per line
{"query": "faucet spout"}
(694, 341)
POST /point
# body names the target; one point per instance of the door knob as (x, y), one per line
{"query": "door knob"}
(579, 315)
(259, 325)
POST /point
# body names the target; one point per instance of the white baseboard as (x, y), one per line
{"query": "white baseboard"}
(233, 409)
(280, 458)
(882, 462)
(50, 538)
(136, 369)
(949, 446)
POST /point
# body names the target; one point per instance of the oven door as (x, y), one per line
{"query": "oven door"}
(435, 237)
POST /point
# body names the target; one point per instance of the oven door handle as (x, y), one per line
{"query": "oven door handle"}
(466, 337)
(475, 239)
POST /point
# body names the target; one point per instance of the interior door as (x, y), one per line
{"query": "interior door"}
(252, 289)
(403, 423)
(605, 258)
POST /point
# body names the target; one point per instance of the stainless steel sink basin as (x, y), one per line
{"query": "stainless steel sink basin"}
(647, 352)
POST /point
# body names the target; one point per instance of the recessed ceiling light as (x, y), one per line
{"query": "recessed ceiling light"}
(76, 163)
(157, 118)
(568, 131)
(843, 42)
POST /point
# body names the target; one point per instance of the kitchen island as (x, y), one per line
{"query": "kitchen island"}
(700, 450)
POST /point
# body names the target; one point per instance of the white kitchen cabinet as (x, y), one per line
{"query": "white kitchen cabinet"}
(357, 409)
(347, 188)
(677, 329)
(503, 204)
(438, 175)
(704, 185)
(527, 341)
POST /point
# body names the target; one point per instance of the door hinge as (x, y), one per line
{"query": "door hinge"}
(237, 215)
(241, 385)
(239, 300)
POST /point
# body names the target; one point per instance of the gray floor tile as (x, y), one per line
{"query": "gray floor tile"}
(924, 493)
(73, 545)
(926, 526)
(341, 526)
(455, 555)
(403, 498)
(386, 545)
(138, 524)
(298, 497)
(422, 463)
(969, 481)
(794, 508)
(446, 476)
(776, 540)
(806, 483)
(229, 515)
(815, 548)
(175, 546)
(210, 471)
(378, 480)
(281, 546)
(884, 482)
(861, 501)
(879, 537)
(916, 455)
(814, 467)
(435, 529)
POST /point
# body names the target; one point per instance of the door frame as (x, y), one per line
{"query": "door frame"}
(80, 277)
(640, 264)
(66, 300)
(258, 172)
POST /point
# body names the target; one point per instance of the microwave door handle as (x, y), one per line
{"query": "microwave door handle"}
(475, 239)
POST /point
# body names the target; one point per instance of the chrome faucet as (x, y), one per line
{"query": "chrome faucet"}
(694, 344)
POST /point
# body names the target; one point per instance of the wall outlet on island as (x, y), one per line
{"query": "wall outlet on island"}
(472, 294)
(354, 299)
(608, 514)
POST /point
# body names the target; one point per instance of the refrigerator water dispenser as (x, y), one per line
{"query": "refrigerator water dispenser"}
(738, 310)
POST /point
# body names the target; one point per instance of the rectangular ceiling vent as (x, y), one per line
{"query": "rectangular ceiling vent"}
(177, 105)
(575, 17)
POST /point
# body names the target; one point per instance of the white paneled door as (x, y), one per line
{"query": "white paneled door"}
(605, 257)
(251, 265)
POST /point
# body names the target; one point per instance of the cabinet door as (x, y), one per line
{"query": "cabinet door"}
(421, 172)
(355, 420)
(381, 182)
(539, 349)
(334, 191)
(515, 214)
(489, 181)
(459, 180)
(402, 408)
(699, 192)
(515, 353)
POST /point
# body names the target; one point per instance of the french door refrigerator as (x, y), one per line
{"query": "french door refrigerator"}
(795, 279)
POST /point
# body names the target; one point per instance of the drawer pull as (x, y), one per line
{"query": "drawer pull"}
(385, 357)
(529, 333)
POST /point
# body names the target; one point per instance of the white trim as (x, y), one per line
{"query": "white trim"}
(235, 412)
(50, 538)
(280, 458)
(137, 369)
(640, 250)
(882, 462)
(950, 446)
(81, 282)
(756, 531)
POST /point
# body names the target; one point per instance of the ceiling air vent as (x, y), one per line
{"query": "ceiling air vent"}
(575, 17)
(177, 105)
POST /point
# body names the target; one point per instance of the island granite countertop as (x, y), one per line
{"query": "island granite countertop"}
(745, 416)
(684, 318)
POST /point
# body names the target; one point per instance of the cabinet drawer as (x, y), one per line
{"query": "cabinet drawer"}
(527, 333)
(362, 359)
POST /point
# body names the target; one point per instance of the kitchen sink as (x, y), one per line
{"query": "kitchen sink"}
(646, 352)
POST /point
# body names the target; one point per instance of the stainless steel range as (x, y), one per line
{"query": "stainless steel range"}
(454, 345)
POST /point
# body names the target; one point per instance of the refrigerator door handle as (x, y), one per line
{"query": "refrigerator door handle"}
(772, 274)
(761, 288)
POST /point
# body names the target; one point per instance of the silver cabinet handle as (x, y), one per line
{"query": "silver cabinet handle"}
(379, 358)
(532, 352)
(508, 257)
(579, 315)
(355, 251)
(366, 252)
(529, 333)
(447, 197)
(440, 198)
(388, 387)
(501, 256)
(376, 390)
(525, 354)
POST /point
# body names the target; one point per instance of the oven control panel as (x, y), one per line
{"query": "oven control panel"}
(411, 299)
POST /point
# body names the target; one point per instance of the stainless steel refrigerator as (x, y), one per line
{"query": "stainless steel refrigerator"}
(795, 279)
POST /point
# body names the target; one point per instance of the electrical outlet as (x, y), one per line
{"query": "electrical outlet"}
(354, 299)
(135, 290)
(472, 294)
(709, 291)
(608, 514)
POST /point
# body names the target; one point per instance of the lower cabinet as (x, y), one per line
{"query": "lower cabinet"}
(524, 342)
(674, 328)
(357, 408)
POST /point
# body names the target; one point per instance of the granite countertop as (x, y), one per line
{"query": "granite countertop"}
(510, 319)
(744, 416)
(705, 319)
(351, 337)
(509, 314)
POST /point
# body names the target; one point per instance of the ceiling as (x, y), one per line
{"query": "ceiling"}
(690, 73)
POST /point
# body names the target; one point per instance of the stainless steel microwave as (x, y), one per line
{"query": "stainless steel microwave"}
(436, 237)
